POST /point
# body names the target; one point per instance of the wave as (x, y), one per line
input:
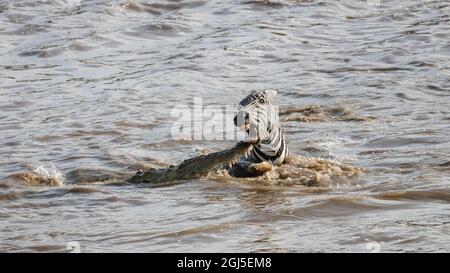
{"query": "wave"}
(320, 113)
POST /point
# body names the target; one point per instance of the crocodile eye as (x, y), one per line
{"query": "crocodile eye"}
(262, 101)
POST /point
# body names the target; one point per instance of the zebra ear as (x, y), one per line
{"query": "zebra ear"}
(270, 94)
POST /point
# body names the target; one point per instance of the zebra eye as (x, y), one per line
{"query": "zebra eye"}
(262, 101)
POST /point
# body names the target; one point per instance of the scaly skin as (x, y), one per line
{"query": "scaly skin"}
(194, 168)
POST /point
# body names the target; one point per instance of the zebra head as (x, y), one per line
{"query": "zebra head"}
(257, 116)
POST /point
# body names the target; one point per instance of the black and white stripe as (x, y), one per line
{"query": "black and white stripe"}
(260, 119)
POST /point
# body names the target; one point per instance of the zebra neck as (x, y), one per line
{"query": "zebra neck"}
(274, 151)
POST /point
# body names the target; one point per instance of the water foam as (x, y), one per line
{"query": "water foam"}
(50, 172)
(44, 175)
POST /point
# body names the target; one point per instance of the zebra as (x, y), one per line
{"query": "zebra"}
(259, 118)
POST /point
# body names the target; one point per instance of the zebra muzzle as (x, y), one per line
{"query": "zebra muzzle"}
(242, 120)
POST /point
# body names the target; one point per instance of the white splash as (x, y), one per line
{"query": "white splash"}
(50, 172)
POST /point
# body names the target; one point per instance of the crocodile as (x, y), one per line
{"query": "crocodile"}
(199, 166)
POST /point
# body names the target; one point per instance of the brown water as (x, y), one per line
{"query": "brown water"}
(85, 96)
